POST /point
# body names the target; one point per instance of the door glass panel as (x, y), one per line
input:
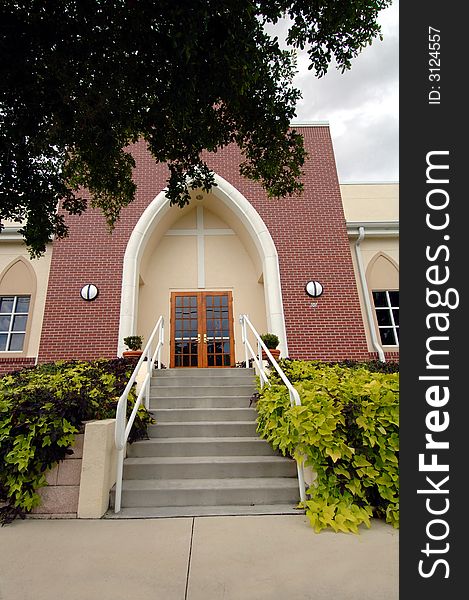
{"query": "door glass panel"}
(218, 331)
(201, 330)
(185, 332)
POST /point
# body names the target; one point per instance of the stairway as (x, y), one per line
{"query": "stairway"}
(204, 456)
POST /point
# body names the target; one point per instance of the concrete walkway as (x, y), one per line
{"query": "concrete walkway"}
(202, 558)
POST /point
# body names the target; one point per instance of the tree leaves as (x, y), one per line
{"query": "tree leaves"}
(81, 81)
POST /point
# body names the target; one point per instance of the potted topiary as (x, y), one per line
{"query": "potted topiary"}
(271, 341)
(134, 345)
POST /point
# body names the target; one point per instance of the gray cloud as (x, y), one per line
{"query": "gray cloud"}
(361, 106)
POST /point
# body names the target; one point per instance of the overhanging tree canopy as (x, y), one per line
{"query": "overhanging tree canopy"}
(82, 79)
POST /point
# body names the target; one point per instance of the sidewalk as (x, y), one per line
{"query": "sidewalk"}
(202, 558)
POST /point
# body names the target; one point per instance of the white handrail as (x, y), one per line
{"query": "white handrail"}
(294, 396)
(122, 429)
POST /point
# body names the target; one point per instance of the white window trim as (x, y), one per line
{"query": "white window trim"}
(12, 316)
(389, 307)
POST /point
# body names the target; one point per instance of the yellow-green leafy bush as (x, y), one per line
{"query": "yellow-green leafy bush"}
(348, 431)
(41, 410)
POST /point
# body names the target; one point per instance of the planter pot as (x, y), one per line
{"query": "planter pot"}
(275, 353)
(132, 354)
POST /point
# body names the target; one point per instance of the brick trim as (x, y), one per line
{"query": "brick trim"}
(8, 365)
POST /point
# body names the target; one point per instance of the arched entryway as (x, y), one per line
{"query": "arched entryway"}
(217, 252)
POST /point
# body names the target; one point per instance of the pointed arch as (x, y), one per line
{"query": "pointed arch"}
(382, 272)
(17, 281)
(253, 224)
(18, 277)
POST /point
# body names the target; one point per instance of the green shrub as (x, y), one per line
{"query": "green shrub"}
(347, 430)
(270, 340)
(133, 342)
(41, 410)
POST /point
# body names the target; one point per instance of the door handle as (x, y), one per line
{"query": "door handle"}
(205, 338)
(198, 338)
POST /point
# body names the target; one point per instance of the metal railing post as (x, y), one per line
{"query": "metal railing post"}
(122, 426)
(243, 332)
(301, 480)
(119, 472)
(147, 383)
(294, 396)
(261, 362)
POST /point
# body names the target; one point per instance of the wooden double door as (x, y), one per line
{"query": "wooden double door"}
(202, 329)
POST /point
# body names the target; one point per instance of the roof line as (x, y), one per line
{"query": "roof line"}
(369, 182)
(309, 123)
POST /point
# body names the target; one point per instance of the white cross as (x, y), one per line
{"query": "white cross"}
(200, 232)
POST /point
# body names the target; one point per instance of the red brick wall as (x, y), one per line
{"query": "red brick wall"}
(389, 356)
(73, 327)
(309, 233)
(8, 365)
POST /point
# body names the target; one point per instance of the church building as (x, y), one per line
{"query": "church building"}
(319, 270)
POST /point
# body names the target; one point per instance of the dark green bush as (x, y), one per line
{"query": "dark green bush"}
(41, 410)
(270, 340)
(133, 342)
(347, 431)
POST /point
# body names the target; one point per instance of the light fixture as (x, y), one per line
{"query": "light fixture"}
(89, 292)
(314, 289)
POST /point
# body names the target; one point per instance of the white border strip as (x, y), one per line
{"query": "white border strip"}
(254, 225)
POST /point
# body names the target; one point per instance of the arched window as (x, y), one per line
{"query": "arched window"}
(17, 290)
(383, 284)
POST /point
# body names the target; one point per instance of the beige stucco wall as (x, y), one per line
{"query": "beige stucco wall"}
(171, 263)
(374, 203)
(371, 249)
(10, 251)
(370, 201)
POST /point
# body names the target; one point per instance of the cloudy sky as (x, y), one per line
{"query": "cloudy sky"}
(361, 106)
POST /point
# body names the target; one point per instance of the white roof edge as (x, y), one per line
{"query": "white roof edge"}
(389, 224)
(374, 228)
(10, 234)
(369, 183)
(309, 123)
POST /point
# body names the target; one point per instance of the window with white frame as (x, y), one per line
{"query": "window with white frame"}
(13, 318)
(387, 315)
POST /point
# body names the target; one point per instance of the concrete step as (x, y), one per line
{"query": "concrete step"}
(177, 415)
(204, 511)
(208, 401)
(203, 429)
(201, 446)
(207, 380)
(203, 456)
(209, 372)
(208, 467)
(195, 391)
(208, 492)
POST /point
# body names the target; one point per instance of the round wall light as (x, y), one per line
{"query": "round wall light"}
(89, 292)
(314, 289)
